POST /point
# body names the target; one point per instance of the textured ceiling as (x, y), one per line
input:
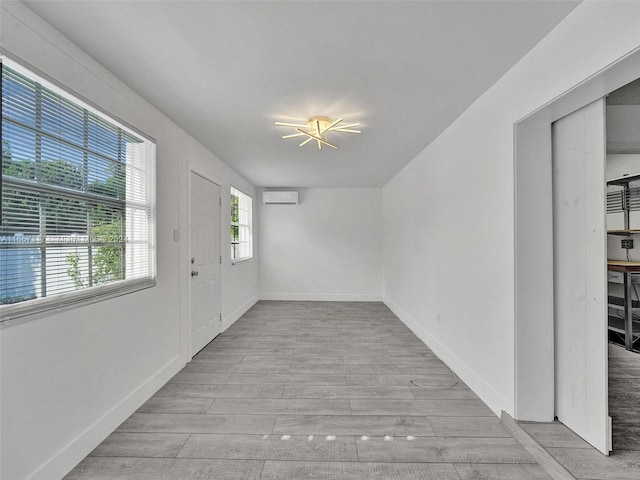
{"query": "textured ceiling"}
(225, 71)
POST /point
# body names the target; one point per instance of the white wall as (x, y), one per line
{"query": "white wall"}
(456, 198)
(329, 247)
(622, 164)
(623, 128)
(68, 379)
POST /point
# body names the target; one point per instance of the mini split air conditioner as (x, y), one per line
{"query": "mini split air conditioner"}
(271, 197)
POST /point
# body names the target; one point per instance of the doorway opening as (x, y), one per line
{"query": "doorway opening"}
(535, 383)
(623, 253)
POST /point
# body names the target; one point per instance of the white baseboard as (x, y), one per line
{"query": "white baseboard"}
(323, 297)
(64, 461)
(494, 400)
(231, 318)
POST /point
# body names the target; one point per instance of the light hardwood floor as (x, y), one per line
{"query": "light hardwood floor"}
(312, 390)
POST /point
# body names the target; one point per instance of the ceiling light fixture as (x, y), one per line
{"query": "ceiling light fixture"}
(317, 129)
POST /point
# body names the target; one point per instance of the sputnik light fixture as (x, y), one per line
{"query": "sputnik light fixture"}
(317, 129)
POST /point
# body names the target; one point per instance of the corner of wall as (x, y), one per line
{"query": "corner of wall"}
(234, 316)
(494, 400)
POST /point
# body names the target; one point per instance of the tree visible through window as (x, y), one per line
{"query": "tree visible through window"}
(77, 194)
(241, 233)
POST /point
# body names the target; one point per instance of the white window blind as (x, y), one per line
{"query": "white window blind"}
(241, 230)
(78, 199)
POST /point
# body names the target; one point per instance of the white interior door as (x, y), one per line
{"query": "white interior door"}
(580, 275)
(204, 241)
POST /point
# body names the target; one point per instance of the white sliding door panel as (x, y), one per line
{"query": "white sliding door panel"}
(580, 288)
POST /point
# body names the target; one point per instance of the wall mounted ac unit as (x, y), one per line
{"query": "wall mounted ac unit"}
(270, 197)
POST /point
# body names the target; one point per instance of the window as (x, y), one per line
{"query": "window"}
(241, 232)
(78, 199)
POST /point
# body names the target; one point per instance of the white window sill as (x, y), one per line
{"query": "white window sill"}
(34, 309)
(241, 260)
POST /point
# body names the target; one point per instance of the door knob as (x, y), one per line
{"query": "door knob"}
(194, 273)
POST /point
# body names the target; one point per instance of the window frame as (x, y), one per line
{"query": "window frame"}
(242, 197)
(13, 313)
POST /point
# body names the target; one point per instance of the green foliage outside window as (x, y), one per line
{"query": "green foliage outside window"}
(234, 217)
(102, 224)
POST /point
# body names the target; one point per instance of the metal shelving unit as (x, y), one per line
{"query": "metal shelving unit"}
(624, 201)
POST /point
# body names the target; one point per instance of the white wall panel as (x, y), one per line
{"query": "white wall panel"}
(328, 247)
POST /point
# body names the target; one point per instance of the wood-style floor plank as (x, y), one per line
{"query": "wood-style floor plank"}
(553, 435)
(352, 425)
(453, 408)
(357, 471)
(201, 378)
(455, 392)
(190, 423)
(291, 406)
(626, 437)
(120, 468)
(238, 368)
(220, 391)
(271, 447)
(286, 379)
(441, 449)
(226, 351)
(347, 392)
(143, 445)
(442, 378)
(176, 405)
(389, 359)
(501, 472)
(476, 427)
(588, 463)
(293, 359)
(222, 359)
